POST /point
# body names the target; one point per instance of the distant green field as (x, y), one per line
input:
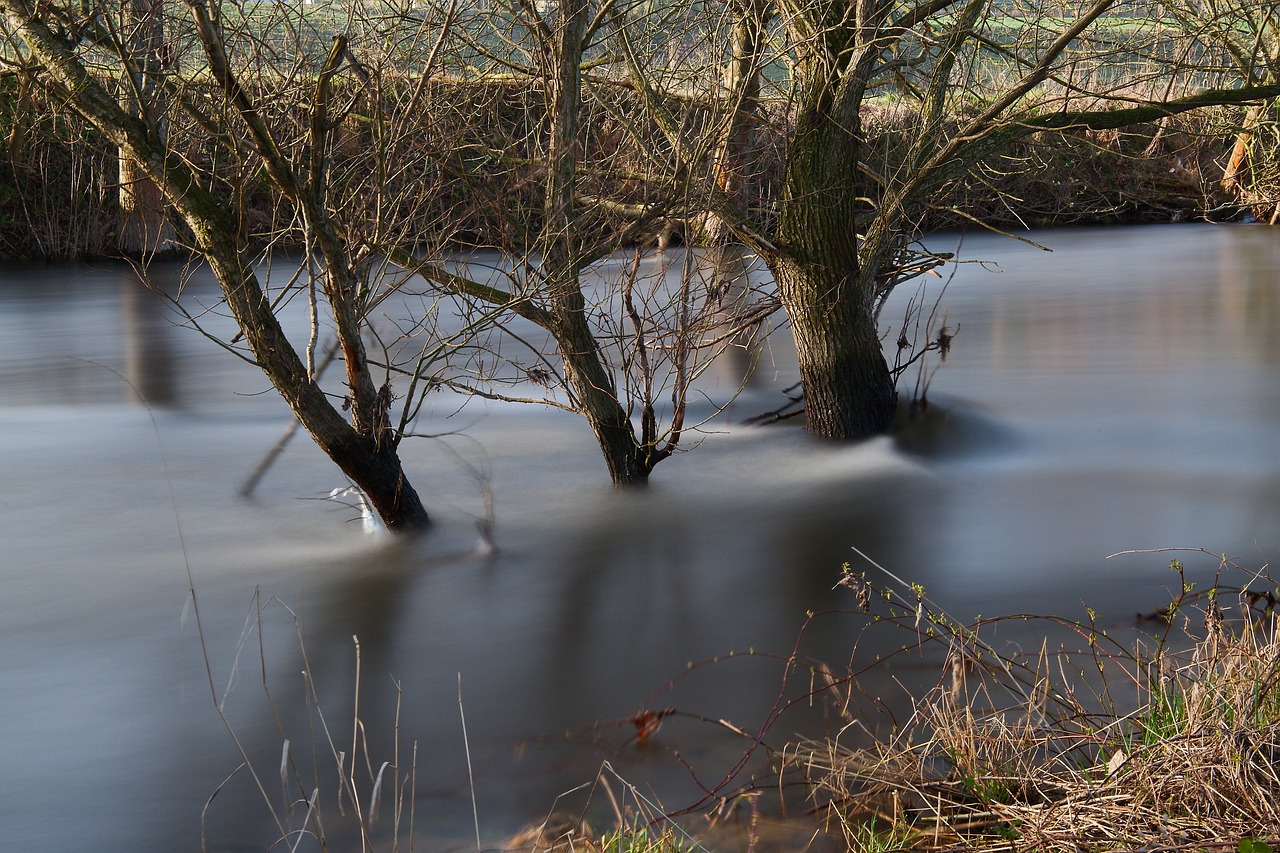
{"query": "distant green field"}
(401, 34)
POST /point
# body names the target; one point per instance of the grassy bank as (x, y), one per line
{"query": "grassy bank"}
(1170, 741)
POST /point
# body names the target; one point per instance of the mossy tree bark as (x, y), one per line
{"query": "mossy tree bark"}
(826, 274)
(843, 231)
(822, 283)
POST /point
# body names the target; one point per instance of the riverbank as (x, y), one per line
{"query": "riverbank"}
(1165, 737)
(59, 186)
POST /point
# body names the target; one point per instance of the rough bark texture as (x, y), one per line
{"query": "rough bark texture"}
(144, 227)
(848, 390)
(824, 287)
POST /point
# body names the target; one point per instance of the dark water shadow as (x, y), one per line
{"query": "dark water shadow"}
(953, 428)
(319, 662)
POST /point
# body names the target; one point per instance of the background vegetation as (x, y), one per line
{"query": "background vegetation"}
(59, 195)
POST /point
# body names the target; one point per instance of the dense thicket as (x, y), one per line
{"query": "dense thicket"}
(58, 178)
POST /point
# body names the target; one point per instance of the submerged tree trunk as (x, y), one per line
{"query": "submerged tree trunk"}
(826, 284)
(365, 451)
(597, 398)
(848, 390)
(367, 456)
(587, 375)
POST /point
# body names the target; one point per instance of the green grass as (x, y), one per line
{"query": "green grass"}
(643, 840)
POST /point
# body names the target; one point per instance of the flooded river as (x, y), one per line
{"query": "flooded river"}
(1120, 392)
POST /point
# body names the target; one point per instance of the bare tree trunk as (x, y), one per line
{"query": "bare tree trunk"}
(1233, 176)
(587, 375)
(598, 399)
(368, 458)
(848, 390)
(144, 228)
(366, 454)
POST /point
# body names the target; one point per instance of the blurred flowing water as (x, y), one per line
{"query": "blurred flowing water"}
(1117, 393)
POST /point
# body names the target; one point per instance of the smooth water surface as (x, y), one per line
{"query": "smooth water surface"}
(1118, 393)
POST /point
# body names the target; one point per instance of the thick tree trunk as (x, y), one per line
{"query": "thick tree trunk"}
(826, 286)
(848, 391)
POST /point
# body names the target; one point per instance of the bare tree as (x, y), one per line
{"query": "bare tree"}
(380, 139)
(976, 75)
(369, 151)
(244, 120)
(628, 345)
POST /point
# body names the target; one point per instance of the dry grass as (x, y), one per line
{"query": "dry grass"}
(327, 788)
(1174, 744)
(1169, 743)
(639, 824)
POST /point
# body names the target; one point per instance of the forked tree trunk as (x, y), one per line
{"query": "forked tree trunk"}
(368, 457)
(584, 369)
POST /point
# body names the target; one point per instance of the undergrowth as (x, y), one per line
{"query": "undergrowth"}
(1172, 742)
